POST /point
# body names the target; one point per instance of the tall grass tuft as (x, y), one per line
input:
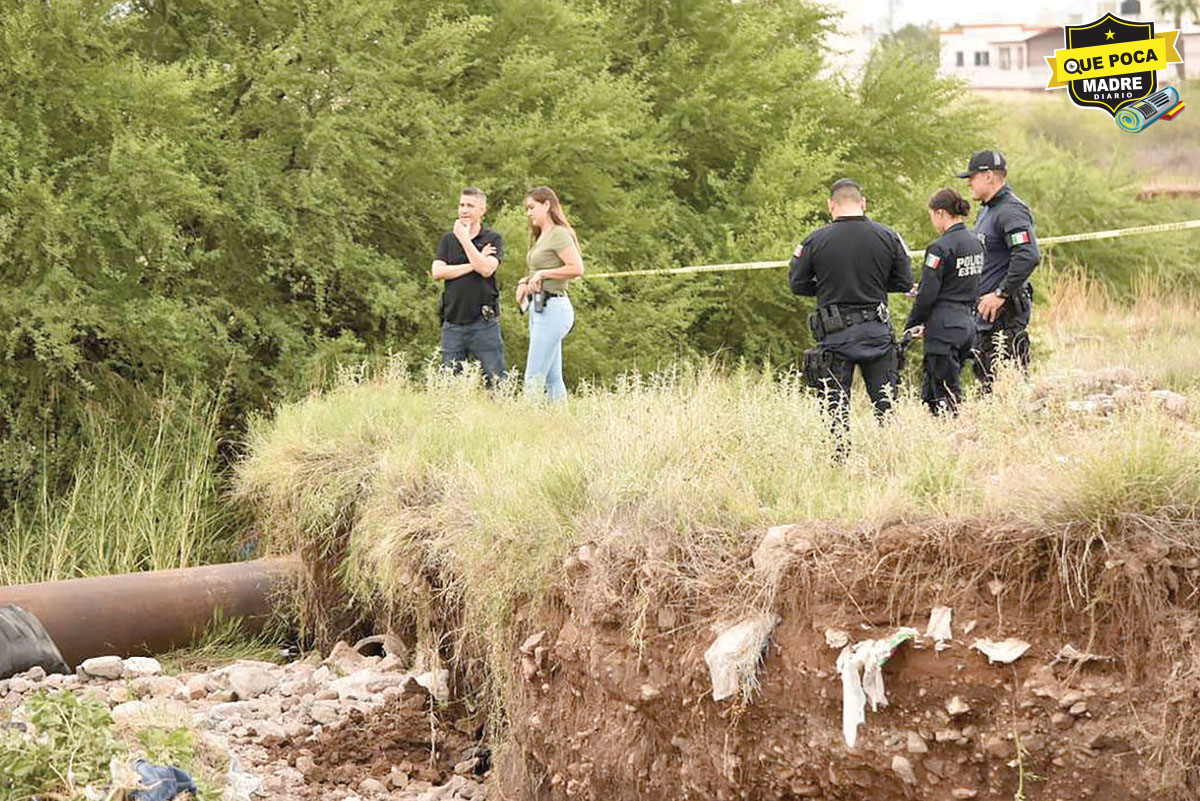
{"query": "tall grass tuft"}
(145, 495)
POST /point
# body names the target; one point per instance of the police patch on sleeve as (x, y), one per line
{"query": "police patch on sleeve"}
(1018, 238)
(799, 250)
(933, 261)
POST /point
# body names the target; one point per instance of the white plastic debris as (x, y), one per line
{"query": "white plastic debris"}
(938, 629)
(1069, 653)
(1004, 652)
(861, 668)
(239, 785)
(837, 638)
(733, 659)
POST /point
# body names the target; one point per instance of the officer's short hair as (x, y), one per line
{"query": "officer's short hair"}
(846, 189)
(474, 191)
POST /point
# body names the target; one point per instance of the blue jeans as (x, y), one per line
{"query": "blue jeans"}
(547, 329)
(480, 340)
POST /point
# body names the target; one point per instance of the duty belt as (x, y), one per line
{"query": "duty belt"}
(835, 317)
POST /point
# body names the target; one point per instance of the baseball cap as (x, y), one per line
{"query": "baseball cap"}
(985, 160)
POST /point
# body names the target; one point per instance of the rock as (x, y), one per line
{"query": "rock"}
(323, 712)
(1079, 708)
(119, 694)
(159, 712)
(222, 696)
(1035, 744)
(251, 681)
(267, 732)
(35, 673)
(305, 764)
(904, 769)
(295, 730)
(1173, 402)
(437, 682)
(532, 642)
(19, 685)
(947, 735)
(467, 766)
(231, 710)
(103, 667)
(938, 767)
(327, 694)
(397, 778)
(1061, 720)
(957, 706)
(369, 786)
(155, 686)
(345, 658)
(1069, 699)
(197, 687)
(963, 793)
(916, 743)
(366, 684)
(138, 666)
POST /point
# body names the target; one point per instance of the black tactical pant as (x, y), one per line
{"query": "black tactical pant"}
(996, 344)
(882, 379)
(941, 389)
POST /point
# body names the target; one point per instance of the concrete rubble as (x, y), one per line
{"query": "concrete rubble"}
(254, 711)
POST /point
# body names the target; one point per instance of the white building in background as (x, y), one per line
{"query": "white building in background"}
(1003, 56)
(1000, 56)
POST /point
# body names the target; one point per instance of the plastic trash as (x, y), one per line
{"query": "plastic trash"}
(24, 643)
(1069, 653)
(239, 785)
(160, 782)
(861, 668)
(1004, 652)
(938, 629)
(733, 658)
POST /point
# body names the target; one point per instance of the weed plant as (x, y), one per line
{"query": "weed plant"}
(145, 496)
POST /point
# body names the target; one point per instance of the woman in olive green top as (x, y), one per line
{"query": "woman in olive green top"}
(553, 261)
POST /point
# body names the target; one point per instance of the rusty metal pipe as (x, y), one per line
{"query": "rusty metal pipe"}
(152, 612)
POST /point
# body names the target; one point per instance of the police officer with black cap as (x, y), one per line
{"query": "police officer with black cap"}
(1010, 252)
(943, 312)
(850, 266)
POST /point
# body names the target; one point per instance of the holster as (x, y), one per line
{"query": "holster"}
(815, 366)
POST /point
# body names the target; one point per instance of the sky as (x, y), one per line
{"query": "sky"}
(947, 12)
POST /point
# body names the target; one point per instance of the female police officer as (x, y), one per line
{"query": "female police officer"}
(947, 294)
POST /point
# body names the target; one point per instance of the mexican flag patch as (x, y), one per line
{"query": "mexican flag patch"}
(933, 261)
(1018, 238)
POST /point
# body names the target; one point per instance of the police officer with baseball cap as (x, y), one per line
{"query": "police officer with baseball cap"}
(850, 265)
(1010, 252)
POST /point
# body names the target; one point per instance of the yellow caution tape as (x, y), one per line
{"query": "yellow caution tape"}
(770, 265)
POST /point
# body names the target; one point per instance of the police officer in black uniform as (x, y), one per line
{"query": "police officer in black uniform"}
(1010, 252)
(943, 312)
(850, 266)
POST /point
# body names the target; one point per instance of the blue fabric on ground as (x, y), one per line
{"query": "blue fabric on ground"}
(162, 782)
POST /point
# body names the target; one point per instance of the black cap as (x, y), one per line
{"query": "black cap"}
(983, 161)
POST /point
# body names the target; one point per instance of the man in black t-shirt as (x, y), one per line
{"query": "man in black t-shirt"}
(467, 260)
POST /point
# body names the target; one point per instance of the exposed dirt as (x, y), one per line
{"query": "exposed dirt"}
(601, 718)
(403, 737)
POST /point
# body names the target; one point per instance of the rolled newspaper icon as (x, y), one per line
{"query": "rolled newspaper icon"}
(1162, 103)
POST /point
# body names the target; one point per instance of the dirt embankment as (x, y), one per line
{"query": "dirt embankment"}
(602, 715)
